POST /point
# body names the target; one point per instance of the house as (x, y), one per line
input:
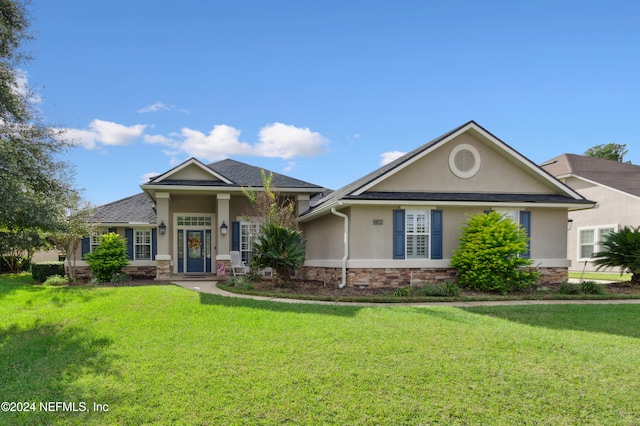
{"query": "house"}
(397, 224)
(188, 219)
(613, 185)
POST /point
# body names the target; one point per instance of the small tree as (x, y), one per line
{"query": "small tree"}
(609, 151)
(280, 248)
(73, 226)
(269, 206)
(488, 257)
(108, 258)
(621, 249)
(17, 247)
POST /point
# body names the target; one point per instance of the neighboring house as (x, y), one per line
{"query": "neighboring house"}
(614, 186)
(397, 224)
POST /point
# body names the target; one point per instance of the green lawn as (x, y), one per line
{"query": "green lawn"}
(166, 355)
(608, 276)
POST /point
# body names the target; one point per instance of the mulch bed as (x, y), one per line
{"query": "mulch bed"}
(317, 288)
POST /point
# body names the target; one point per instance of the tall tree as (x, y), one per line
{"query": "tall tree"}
(609, 151)
(32, 177)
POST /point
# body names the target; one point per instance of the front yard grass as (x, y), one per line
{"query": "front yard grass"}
(166, 355)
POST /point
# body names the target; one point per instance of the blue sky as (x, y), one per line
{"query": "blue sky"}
(324, 90)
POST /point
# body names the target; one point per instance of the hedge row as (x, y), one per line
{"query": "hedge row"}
(43, 270)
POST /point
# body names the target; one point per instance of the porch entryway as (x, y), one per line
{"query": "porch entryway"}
(194, 244)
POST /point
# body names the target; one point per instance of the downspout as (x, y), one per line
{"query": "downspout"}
(346, 246)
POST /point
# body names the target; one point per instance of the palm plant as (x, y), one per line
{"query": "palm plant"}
(621, 249)
(280, 248)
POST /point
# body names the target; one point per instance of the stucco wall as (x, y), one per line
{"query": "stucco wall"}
(612, 208)
(325, 237)
(432, 173)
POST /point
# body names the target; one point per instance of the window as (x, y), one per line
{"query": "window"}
(142, 244)
(194, 220)
(95, 237)
(249, 232)
(417, 234)
(590, 240)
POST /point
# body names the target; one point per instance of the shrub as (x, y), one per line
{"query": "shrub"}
(438, 290)
(403, 292)
(11, 263)
(241, 283)
(279, 248)
(56, 280)
(621, 249)
(120, 277)
(108, 258)
(590, 287)
(489, 256)
(42, 270)
(570, 288)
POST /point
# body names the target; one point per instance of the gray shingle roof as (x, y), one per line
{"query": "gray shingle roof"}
(465, 196)
(621, 176)
(243, 174)
(138, 208)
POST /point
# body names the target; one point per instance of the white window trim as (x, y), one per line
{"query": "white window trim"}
(596, 235)
(94, 238)
(135, 243)
(427, 233)
(249, 250)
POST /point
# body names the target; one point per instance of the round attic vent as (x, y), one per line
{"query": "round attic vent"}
(464, 161)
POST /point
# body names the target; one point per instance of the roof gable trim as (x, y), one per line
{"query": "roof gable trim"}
(190, 162)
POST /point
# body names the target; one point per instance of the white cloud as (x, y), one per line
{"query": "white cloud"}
(221, 142)
(105, 133)
(147, 176)
(23, 89)
(285, 141)
(160, 140)
(155, 107)
(290, 165)
(389, 156)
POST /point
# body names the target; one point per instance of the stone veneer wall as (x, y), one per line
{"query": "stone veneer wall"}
(83, 273)
(399, 277)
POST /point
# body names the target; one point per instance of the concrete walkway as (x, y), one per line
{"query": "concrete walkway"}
(210, 287)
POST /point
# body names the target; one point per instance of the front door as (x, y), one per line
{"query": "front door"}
(195, 251)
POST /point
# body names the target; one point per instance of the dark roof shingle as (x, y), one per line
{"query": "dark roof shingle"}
(621, 176)
(138, 208)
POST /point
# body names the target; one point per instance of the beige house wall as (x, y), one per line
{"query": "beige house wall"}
(192, 172)
(613, 208)
(496, 174)
(325, 237)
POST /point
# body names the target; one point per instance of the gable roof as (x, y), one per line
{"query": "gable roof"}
(230, 173)
(621, 176)
(357, 189)
(136, 209)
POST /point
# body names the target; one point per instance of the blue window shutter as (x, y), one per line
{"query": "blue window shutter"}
(128, 234)
(86, 246)
(154, 243)
(436, 234)
(398, 234)
(235, 236)
(525, 222)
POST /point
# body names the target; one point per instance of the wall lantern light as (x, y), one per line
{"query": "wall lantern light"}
(569, 223)
(162, 228)
(223, 228)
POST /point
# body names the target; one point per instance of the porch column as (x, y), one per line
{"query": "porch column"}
(223, 256)
(163, 258)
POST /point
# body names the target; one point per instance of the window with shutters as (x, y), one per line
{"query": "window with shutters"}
(249, 232)
(142, 244)
(417, 226)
